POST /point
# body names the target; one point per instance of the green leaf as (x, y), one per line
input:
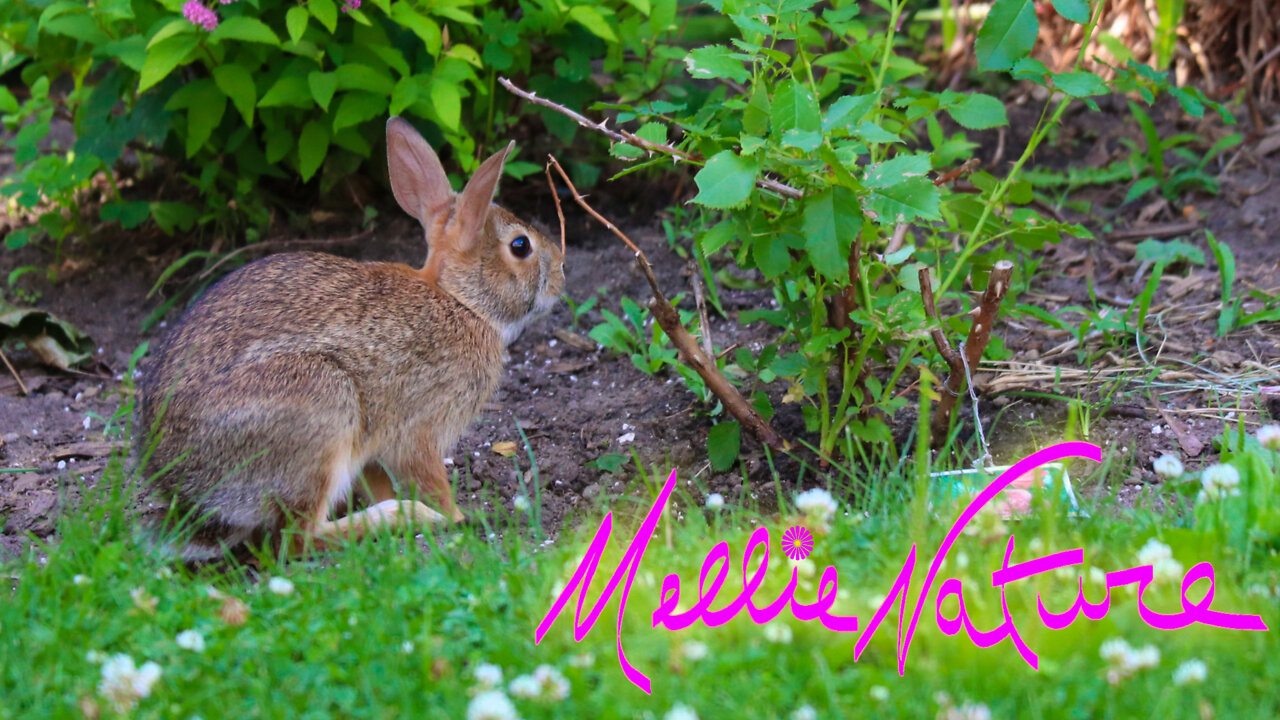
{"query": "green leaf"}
(726, 181)
(723, 443)
(326, 11)
(236, 82)
(129, 214)
(1030, 69)
(848, 110)
(8, 103)
(354, 76)
(1079, 84)
(716, 61)
(170, 216)
(654, 132)
(164, 57)
(1167, 252)
(424, 27)
(356, 107)
(831, 221)
(291, 90)
(1077, 11)
(405, 94)
(313, 145)
(323, 85)
(979, 112)
(296, 21)
(247, 29)
(772, 254)
(900, 167)
(1008, 34)
(903, 202)
(176, 26)
(203, 117)
(447, 103)
(591, 19)
(794, 108)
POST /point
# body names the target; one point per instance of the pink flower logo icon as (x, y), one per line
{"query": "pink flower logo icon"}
(797, 542)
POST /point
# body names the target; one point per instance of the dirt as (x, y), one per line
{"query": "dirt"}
(576, 405)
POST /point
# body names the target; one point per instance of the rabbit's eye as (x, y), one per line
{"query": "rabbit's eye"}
(521, 247)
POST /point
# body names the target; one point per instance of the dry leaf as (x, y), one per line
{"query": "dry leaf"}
(506, 448)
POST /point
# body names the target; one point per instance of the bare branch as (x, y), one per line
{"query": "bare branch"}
(669, 320)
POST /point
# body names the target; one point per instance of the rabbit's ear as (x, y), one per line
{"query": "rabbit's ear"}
(472, 210)
(417, 178)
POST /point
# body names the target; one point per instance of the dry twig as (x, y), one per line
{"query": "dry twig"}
(21, 385)
(669, 319)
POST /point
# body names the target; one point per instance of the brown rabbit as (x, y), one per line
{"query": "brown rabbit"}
(297, 373)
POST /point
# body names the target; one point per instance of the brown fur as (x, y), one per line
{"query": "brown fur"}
(298, 371)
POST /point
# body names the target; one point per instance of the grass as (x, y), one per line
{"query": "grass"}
(397, 625)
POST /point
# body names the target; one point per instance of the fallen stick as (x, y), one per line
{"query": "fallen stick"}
(690, 353)
(979, 336)
(631, 139)
(21, 385)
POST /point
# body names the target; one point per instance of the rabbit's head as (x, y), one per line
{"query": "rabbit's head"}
(488, 259)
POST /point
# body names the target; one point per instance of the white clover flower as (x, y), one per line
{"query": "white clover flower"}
(81, 580)
(805, 568)
(879, 693)
(552, 684)
(776, 632)
(1168, 467)
(488, 675)
(1114, 651)
(1097, 576)
(694, 651)
(1167, 570)
(190, 640)
(804, 712)
(1269, 436)
(406, 647)
(680, 711)
(491, 705)
(280, 586)
(123, 684)
(967, 711)
(1218, 481)
(1146, 657)
(817, 505)
(715, 500)
(1154, 552)
(521, 503)
(525, 687)
(1189, 672)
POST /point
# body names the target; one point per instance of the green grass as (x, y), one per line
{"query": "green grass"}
(395, 626)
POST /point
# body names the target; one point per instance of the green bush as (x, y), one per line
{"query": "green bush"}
(811, 157)
(255, 90)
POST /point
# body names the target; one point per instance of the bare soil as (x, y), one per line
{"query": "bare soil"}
(576, 404)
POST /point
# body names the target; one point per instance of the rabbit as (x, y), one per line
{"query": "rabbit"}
(300, 372)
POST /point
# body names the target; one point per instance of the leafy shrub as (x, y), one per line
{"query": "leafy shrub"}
(261, 90)
(813, 156)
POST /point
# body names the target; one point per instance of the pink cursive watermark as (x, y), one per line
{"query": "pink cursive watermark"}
(715, 569)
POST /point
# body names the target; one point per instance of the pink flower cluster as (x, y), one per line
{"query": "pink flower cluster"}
(349, 5)
(197, 14)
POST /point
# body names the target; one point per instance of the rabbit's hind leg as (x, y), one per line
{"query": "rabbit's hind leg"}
(388, 513)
